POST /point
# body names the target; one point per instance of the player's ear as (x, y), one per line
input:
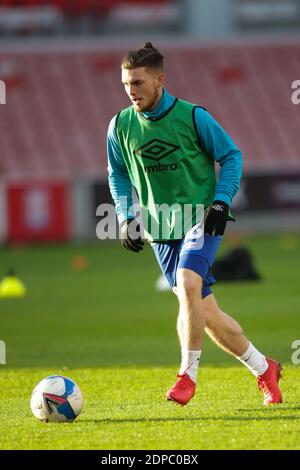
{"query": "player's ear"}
(161, 78)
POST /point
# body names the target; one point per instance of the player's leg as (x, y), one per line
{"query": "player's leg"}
(190, 327)
(228, 334)
(191, 311)
(167, 255)
(195, 258)
(224, 330)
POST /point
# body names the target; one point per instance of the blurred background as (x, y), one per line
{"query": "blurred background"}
(60, 86)
(59, 61)
(74, 305)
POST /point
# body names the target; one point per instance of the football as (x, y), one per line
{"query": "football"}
(56, 399)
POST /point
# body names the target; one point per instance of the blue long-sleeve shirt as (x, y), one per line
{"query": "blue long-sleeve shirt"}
(214, 140)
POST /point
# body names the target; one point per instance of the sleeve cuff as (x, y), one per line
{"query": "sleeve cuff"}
(222, 197)
(123, 215)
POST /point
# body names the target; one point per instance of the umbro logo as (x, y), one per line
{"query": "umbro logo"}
(156, 149)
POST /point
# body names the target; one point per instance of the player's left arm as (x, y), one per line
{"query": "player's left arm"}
(223, 150)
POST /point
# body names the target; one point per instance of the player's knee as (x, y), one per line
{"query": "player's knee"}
(211, 312)
(211, 320)
(218, 321)
(237, 329)
(189, 284)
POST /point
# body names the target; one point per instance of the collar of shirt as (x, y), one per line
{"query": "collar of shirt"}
(164, 104)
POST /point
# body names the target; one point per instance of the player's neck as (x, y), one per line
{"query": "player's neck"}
(156, 105)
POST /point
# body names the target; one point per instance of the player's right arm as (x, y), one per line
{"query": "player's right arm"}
(121, 191)
(118, 178)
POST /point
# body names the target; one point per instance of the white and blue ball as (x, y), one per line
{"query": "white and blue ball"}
(56, 399)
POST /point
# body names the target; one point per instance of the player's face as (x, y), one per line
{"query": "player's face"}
(144, 87)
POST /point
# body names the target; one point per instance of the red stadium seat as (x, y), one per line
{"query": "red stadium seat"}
(60, 104)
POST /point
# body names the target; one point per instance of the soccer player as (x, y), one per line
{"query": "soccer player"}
(166, 148)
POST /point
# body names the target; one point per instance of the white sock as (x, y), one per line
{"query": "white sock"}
(254, 360)
(189, 363)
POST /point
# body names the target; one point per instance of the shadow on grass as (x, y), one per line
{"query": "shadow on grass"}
(281, 408)
(204, 418)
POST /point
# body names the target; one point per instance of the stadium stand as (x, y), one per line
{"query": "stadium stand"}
(59, 104)
(79, 7)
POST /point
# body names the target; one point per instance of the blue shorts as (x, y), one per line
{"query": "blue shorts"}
(184, 253)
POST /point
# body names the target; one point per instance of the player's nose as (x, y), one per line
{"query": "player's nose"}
(132, 92)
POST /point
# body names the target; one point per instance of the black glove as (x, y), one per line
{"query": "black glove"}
(216, 218)
(130, 235)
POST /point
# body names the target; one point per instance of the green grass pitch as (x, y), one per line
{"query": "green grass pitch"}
(106, 327)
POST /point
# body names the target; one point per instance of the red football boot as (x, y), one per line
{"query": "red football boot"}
(183, 390)
(268, 383)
